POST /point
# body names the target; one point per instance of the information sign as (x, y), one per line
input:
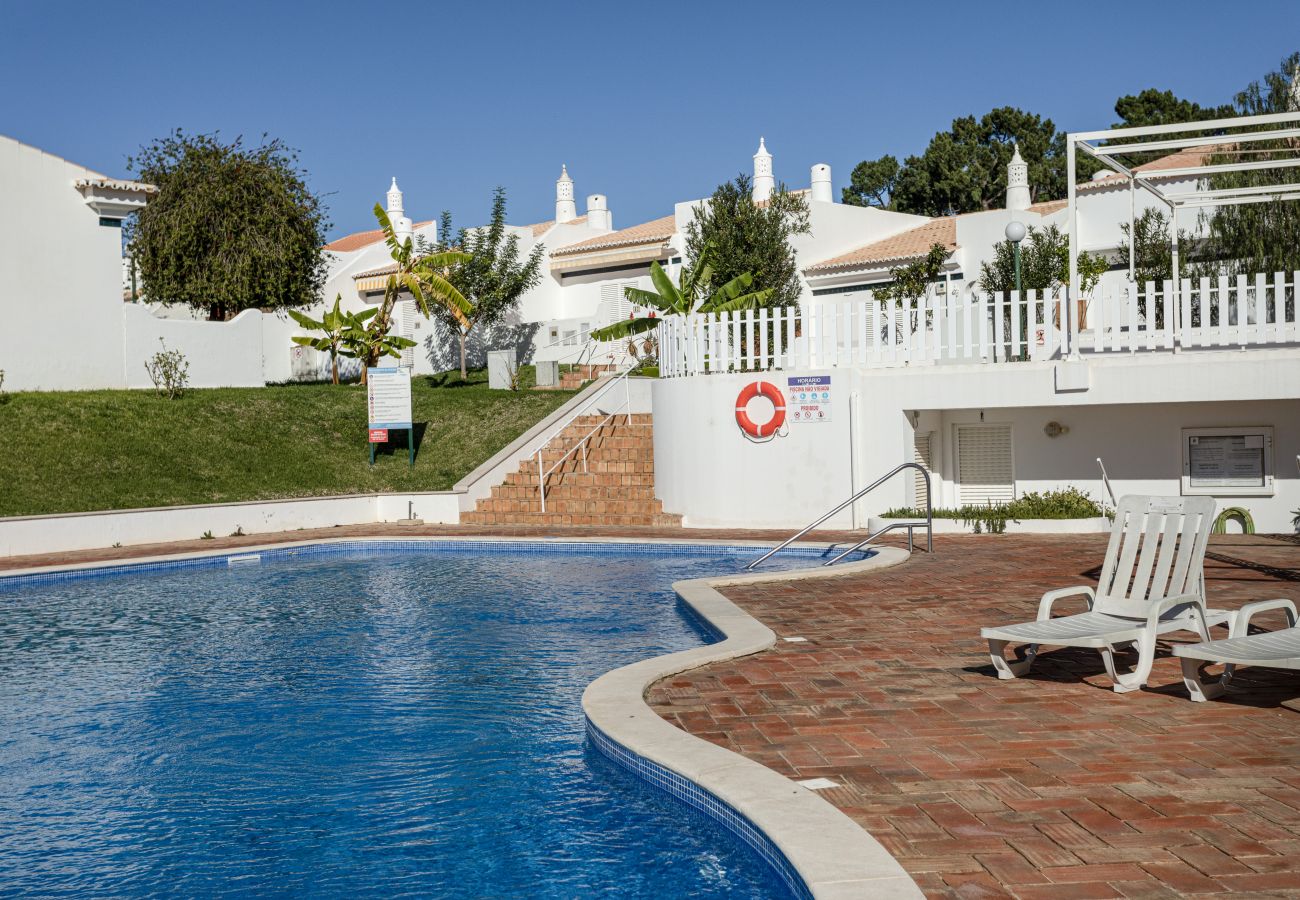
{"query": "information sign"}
(1226, 460)
(809, 398)
(388, 395)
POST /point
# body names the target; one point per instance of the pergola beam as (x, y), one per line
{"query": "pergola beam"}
(1180, 127)
(1237, 191)
(1084, 140)
(1277, 134)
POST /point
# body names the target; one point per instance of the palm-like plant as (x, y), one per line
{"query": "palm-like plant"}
(420, 275)
(337, 327)
(694, 294)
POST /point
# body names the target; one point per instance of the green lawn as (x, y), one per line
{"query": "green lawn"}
(78, 451)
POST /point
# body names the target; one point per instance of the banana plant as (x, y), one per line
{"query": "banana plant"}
(360, 342)
(336, 325)
(694, 294)
(420, 275)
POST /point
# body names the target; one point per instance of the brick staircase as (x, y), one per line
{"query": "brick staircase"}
(576, 377)
(617, 487)
(580, 375)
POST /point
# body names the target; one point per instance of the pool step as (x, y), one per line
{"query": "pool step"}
(613, 486)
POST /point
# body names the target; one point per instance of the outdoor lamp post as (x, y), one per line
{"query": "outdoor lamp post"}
(1015, 233)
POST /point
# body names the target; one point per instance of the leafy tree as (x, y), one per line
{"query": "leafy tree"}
(748, 238)
(1258, 237)
(1044, 264)
(422, 275)
(872, 183)
(1153, 107)
(231, 228)
(696, 293)
(489, 279)
(910, 282)
(338, 328)
(1152, 249)
(964, 169)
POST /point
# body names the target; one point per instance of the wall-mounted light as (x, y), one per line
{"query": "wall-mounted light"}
(1055, 429)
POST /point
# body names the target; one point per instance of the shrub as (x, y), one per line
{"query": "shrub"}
(1068, 503)
(169, 371)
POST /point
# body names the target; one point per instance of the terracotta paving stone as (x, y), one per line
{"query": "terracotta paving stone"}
(1047, 786)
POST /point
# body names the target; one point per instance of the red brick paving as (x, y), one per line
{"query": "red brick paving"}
(1047, 786)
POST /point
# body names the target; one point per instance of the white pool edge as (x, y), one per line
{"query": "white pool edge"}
(834, 856)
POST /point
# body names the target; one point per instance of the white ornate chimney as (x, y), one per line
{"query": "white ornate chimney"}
(821, 184)
(764, 182)
(565, 209)
(1017, 181)
(599, 217)
(397, 215)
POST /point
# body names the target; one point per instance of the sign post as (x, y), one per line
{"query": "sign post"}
(388, 395)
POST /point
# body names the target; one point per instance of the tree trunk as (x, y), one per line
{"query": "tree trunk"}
(334, 366)
(464, 372)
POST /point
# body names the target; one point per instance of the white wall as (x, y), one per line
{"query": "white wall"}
(220, 354)
(710, 473)
(1141, 446)
(84, 531)
(1131, 415)
(60, 278)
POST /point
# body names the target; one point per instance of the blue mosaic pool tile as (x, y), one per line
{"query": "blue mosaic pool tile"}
(374, 548)
(708, 803)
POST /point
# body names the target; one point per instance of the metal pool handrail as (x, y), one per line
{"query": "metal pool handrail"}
(626, 404)
(929, 518)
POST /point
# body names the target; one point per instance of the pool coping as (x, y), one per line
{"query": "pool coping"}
(833, 856)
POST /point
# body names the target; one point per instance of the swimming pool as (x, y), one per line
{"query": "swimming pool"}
(389, 718)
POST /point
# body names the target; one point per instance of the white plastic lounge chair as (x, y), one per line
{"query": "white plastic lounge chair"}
(1273, 649)
(1151, 583)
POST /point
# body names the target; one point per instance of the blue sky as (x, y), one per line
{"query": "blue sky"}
(455, 99)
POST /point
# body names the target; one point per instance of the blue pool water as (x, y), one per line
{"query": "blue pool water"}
(366, 721)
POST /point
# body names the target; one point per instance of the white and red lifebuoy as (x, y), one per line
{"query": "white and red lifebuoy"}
(756, 430)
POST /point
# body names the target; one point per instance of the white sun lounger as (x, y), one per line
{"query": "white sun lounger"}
(1271, 649)
(1151, 583)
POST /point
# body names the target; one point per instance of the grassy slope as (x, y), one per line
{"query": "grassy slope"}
(77, 451)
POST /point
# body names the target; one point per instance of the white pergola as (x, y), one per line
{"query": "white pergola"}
(1093, 143)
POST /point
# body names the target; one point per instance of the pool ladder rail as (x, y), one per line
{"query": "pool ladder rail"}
(928, 524)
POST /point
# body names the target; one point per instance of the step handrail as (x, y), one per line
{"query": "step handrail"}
(929, 517)
(626, 404)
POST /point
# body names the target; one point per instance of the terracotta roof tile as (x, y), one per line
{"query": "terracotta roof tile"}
(656, 231)
(356, 241)
(906, 245)
(1190, 156)
(1047, 207)
(542, 227)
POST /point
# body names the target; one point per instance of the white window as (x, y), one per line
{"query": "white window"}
(614, 305)
(1229, 462)
(921, 453)
(406, 328)
(985, 469)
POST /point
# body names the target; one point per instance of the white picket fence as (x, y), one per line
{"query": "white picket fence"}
(971, 327)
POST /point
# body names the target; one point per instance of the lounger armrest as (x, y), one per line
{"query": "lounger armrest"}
(1160, 607)
(1241, 621)
(1045, 605)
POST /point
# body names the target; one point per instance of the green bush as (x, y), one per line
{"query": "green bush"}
(1069, 503)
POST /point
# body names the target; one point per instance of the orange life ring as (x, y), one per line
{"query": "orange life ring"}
(748, 425)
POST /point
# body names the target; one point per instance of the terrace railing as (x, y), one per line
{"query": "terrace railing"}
(972, 327)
